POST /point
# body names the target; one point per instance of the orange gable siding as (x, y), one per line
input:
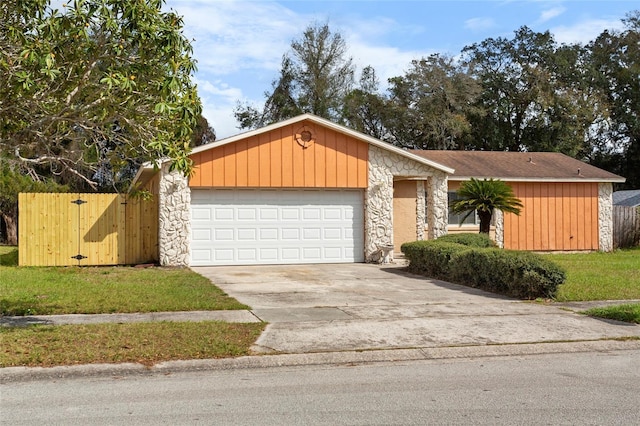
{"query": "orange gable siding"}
(556, 216)
(276, 160)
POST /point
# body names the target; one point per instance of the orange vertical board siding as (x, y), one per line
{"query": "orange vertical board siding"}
(298, 162)
(230, 173)
(264, 149)
(331, 160)
(551, 214)
(217, 167)
(276, 163)
(363, 165)
(543, 243)
(341, 159)
(309, 174)
(320, 165)
(242, 163)
(275, 159)
(556, 216)
(287, 161)
(253, 161)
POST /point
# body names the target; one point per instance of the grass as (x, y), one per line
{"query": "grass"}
(626, 313)
(144, 343)
(91, 290)
(600, 276)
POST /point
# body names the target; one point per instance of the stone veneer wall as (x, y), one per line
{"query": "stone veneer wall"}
(174, 231)
(605, 216)
(383, 166)
(498, 217)
(421, 210)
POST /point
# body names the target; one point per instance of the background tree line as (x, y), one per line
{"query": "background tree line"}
(525, 93)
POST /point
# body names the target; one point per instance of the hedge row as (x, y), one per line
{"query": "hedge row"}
(523, 275)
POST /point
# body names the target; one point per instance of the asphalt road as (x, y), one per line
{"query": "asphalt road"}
(582, 388)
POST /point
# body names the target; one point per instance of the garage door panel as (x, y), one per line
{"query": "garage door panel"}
(258, 226)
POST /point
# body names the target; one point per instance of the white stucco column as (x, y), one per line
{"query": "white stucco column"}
(174, 231)
(437, 210)
(605, 216)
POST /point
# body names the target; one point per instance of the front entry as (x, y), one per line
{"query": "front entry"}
(404, 212)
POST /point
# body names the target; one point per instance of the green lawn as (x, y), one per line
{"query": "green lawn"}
(626, 313)
(67, 290)
(90, 290)
(144, 343)
(600, 276)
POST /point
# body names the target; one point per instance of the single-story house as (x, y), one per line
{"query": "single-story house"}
(306, 190)
(629, 198)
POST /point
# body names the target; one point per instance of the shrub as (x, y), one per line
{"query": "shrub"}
(523, 275)
(517, 274)
(469, 239)
(431, 257)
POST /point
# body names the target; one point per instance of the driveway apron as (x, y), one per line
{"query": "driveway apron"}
(341, 307)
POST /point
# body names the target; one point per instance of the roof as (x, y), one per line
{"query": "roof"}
(518, 166)
(627, 198)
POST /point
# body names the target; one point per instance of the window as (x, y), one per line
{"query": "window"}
(454, 218)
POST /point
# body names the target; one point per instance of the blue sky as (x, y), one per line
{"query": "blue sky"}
(239, 44)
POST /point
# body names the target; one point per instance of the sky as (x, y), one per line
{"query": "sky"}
(239, 44)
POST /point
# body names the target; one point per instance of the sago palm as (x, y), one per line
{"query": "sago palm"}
(485, 196)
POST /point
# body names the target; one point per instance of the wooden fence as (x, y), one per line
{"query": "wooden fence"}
(626, 226)
(86, 229)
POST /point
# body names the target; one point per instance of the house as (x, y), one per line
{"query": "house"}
(306, 190)
(627, 198)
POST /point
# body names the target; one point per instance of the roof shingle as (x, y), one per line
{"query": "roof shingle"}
(534, 166)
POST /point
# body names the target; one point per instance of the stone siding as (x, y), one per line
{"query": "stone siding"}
(498, 217)
(174, 218)
(605, 216)
(383, 166)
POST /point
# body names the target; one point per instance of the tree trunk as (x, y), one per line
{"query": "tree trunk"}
(11, 222)
(485, 222)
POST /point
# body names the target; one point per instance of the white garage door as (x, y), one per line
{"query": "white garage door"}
(231, 227)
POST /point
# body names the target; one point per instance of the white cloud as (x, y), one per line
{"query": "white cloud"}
(479, 24)
(549, 14)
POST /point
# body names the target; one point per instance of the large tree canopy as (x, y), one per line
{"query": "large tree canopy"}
(615, 59)
(315, 77)
(93, 89)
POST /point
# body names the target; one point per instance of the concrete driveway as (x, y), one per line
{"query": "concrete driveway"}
(321, 308)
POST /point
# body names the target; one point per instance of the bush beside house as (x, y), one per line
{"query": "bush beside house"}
(471, 261)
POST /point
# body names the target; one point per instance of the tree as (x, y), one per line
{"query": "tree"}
(203, 133)
(91, 91)
(428, 106)
(615, 59)
(533, 97)
(365, 109)
(315, 77)
(483, 197)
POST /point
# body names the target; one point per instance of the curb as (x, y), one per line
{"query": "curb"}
(22, 374)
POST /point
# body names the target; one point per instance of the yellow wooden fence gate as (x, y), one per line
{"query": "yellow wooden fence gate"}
(86, 229)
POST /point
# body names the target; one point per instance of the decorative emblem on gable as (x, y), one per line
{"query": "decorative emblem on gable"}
(305, 137)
